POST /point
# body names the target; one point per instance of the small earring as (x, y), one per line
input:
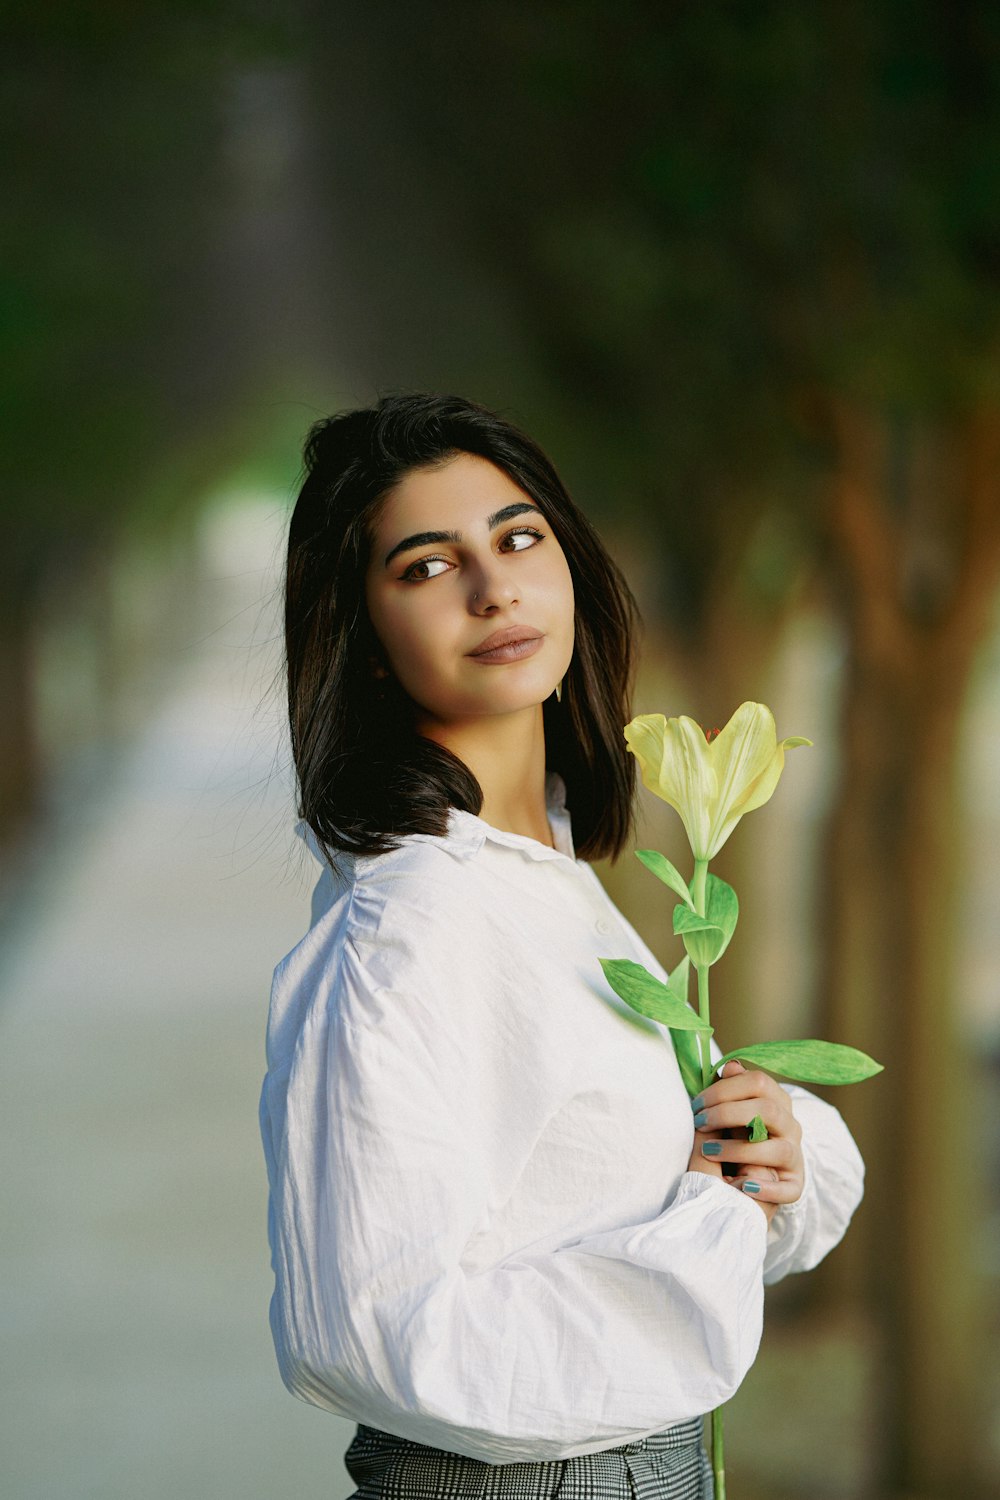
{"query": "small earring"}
(559, 690)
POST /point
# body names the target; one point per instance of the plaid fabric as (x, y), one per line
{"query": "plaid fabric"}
(671, 1465)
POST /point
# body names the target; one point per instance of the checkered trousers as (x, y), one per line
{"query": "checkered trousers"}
(671, 1465)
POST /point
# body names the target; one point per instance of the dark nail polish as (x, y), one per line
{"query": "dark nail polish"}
(700, 1119)
(751, 1187)
(697, 1102)
(711, 1148)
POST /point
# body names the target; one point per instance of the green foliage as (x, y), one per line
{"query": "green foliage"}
(665, 871)
(707, 938)
(757, 1130)
(124, 352)
(650, 996)
(666, 1003)
(687, 1048)
(688, 1056)
(808, 1061)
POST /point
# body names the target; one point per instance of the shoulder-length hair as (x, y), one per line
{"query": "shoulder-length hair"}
(363, 773)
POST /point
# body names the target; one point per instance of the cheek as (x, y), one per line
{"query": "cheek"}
(562, 587)
(415, 632)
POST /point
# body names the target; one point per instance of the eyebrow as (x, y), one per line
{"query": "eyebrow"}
(422, 538)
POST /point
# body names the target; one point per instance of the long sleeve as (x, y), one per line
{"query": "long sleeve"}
(420, 1088)
(803, 1232)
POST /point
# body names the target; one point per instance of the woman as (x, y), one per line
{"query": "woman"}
(502, 1245)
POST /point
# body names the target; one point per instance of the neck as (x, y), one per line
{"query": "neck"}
(506, 754)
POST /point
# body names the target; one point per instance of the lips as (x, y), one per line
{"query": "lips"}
(507, 638)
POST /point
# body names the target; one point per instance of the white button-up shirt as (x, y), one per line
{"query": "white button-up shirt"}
(483, 1232)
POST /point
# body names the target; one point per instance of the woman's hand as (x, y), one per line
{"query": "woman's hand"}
(774, 1167)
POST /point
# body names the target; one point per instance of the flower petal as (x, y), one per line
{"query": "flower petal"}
(644, 736)
(765, 784)
(673, 760)
(740, 755)
(688, 767)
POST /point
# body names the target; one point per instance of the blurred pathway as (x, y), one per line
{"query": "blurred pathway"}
(135, 1356)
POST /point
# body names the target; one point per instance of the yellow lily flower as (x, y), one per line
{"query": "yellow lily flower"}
(713, 779)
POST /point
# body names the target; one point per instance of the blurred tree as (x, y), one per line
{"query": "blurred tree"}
(755, 248)
(126, 353)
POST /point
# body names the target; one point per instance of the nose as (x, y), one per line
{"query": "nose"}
(491, 590)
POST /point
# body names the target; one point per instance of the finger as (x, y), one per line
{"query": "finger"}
(711, 1138)
(729, 1116)
(732, 1069)
(778, 1151)
(762, 1175)
(715, 1138)
(707, 1164)
(742, 1085)
(768, 1189)
(759, 1174)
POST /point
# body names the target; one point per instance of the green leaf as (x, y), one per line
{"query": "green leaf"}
(703, 940)
(650, 996)
(688, 1055)
(686, 1048)
(757, 1129)
(665, 871)
(809, 1061)
(723, 907)
(707, 938)
(678, 981)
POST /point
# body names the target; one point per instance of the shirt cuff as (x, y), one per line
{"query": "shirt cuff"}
(692, 1184)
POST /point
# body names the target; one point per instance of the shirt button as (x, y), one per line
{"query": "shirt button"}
(603, 925)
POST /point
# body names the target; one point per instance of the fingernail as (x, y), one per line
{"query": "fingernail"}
(697, 1102)
(700, 1119)
(711, 1148)
(751, 1187)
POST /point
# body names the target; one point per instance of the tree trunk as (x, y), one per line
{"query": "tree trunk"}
(19, 762)
(893, 867)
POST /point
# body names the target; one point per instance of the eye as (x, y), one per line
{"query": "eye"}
(524, 531)
(410, 576)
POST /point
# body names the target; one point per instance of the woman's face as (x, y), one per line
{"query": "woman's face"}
(433, 602)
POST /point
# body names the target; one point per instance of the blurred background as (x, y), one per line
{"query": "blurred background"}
(737, 268)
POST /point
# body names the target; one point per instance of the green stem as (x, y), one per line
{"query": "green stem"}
(703, 1038)
(699, 887)
(718, 1465)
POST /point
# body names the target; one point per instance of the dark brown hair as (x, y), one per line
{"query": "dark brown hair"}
(363, 772)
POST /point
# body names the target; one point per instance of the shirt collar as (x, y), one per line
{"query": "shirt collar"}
(467, 833)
